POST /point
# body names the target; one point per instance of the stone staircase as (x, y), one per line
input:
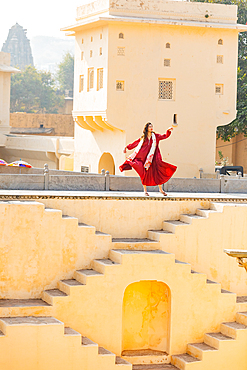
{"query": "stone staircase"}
(201, 355)
(69, 291)
(62, 346)
(72, 301)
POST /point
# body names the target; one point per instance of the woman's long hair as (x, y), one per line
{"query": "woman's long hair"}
(145, 131)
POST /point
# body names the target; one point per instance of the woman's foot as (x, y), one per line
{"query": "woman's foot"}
(146, 194)
(162, 192)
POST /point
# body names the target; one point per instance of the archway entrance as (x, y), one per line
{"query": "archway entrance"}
(106, 162)
(146, 316)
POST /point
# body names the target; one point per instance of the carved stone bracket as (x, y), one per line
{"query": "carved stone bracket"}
(240, 255)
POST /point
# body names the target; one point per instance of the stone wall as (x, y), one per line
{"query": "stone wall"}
(62, 124)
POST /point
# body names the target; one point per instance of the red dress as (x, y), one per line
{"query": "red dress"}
(159, 172)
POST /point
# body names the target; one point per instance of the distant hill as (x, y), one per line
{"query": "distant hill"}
(48, 51)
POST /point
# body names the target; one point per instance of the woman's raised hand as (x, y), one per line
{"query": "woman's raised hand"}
(125, 150)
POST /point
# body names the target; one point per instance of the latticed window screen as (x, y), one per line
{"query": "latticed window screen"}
(220, 42)
(218, 89)
(167, 62)
(168, 45)
(120, 85)
(166, 89)
(81, 83)
(100, 78)
(121, 51)
(121, 35)
(90, 78)
(220, 59)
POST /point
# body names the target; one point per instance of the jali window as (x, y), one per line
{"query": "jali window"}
(120, 85)
(167, 62)
(166, 89)
(220, 59)
(219, 89)
(99, 78)
(81, 83)
(90, 78)
(121, 51)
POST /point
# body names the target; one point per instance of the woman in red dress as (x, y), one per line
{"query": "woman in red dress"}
(147, 160)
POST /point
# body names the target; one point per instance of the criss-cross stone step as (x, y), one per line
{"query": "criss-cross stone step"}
(135, 243)
(155, 367)
(197, 350)
(205, 212)
(146, 357)
(182, 360)
(173, 224)
(189, 218)
(84, 275)
(67, 286)
(232, 329)
(216, 339)
(100, 265)
(23, 303)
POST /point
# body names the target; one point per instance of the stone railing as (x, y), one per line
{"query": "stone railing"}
(18, 178)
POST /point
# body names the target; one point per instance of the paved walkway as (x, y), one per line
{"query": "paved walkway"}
(34, 194)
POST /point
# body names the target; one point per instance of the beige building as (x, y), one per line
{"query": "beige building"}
(148, 61)
(5, 75)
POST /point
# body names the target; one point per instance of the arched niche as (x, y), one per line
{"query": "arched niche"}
(146, 316)
(106, 162)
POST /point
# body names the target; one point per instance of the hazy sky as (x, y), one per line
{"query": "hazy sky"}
(39, 18)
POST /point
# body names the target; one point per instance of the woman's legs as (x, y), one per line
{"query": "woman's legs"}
(145, 190)
(161, 190)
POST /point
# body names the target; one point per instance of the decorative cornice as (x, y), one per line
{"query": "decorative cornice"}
(12, 197)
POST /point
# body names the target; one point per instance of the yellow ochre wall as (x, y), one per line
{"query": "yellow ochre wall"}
(146, 316)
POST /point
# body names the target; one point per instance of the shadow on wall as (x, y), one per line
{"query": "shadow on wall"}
(106, 162)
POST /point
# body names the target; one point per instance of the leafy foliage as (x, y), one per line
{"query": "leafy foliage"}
(239, 125)
(34, 91)
(65, 74)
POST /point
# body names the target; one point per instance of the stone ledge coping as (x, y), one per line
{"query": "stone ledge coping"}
(8, 195)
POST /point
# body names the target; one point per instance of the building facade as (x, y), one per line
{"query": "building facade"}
(137, 62)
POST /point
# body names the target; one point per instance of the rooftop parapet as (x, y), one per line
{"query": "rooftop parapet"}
(177, 10)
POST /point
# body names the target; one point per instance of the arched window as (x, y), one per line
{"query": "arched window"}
(121, 35)
(220, 42)
(168, 45)
(106, 163)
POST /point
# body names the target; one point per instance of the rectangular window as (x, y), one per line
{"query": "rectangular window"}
(219, 89)
(90, 79)
(166, 89)
(100, 51)
(81, 83)
(100, 36)
(91, 53)
(99, 78)
(120, 85)
(167, 62)
(121, 51)
(82, 55)
(220, 59)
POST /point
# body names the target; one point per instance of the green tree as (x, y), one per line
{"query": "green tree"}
(239, 125)
(65, 74)
(34, 91)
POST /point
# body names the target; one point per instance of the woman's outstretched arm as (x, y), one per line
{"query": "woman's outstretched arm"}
(166, 135)
(132, 145)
